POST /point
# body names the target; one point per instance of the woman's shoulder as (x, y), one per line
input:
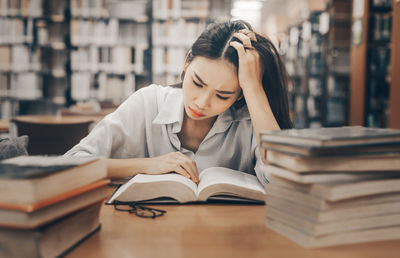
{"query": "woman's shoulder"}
(155, 90)
(152, 97)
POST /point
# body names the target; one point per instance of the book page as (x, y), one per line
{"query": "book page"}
(145, 187)
(144, 178)
(216, 177)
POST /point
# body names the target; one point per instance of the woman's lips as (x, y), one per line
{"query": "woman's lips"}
(196, 113)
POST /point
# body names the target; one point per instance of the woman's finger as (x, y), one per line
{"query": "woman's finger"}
(249, 34)
(244, 39)
(190, 166)
(180, 170)
(239, 48)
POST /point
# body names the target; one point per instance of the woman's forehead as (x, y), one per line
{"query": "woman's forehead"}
(217, 73)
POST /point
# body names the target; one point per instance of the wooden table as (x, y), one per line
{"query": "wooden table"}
(53, 119)
(208, 230)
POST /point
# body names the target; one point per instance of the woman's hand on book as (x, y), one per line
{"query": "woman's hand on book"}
(173, 162)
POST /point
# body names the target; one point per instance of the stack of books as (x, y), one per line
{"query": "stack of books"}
(50, 204)
(333, 186)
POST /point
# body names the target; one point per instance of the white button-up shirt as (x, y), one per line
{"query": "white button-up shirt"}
(147, 123)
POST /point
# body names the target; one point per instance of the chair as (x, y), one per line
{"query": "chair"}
(52, 135)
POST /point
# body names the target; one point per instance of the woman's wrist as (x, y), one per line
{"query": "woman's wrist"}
(120, 168)
(253, 87)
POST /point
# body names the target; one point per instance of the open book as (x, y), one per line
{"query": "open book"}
(216, 183)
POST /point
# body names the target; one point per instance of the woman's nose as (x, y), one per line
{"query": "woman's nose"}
(203, 101)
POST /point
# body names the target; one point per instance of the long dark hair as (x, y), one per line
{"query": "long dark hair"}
(214, 43)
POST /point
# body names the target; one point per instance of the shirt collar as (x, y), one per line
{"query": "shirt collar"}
(172, 108)
(225, 120)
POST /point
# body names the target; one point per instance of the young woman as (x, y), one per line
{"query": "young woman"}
(233, 86)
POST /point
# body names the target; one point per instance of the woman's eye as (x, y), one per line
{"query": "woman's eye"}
(223, 98)
(198, 84)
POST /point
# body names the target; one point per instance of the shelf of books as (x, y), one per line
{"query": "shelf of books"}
(55, 53)
(175, 26)
(19, 54)
(373, 90)
(337, 56)
(316, 54)
(109, 46)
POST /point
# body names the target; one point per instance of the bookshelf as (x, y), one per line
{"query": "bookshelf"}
(337, 55)
(374, 55)
(175, 26)
(20, 63)
(55, 53)
(316, 55)
(394, 101)
(109, 47)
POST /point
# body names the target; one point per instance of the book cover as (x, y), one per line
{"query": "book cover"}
(333, 136)
(31, 216)
(366, 185)
(29, 180)
(320, 229)
(38, 166)
(53, 239)
(371, 162)
(358, 236)
(330, 151)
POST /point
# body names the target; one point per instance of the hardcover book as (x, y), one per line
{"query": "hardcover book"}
(216, 183)
(333, 136)
(31, 179)
(53, 239)
(28, 216)
(357, 236)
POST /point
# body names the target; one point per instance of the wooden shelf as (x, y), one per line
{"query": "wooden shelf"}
(360, 75)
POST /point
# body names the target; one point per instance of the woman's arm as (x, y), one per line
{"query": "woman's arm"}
(171, 162)
(250, 80)
(261, 114)
(120, 168)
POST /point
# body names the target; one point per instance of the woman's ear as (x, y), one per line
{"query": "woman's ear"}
(185, 65)
(187, 60)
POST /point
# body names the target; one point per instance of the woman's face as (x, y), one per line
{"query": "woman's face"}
(210, 87)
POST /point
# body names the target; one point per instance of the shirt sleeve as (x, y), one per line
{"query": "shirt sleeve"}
(261, 175)
(112, 135)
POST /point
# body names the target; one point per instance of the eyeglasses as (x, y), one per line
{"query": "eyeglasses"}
(138, 210)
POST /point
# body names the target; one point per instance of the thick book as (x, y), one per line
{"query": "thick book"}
(373, 162)
(320, 229)
(33, 215)
(323, 151)
(51, 240)
(216, 183)
(31, 179)
(338, 214)
(322, 176)
(351, 237)
(333, 136)
(365, 185)
(320, 203)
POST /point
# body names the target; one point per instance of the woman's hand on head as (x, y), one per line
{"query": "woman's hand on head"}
(173, 162)
(250, 69)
